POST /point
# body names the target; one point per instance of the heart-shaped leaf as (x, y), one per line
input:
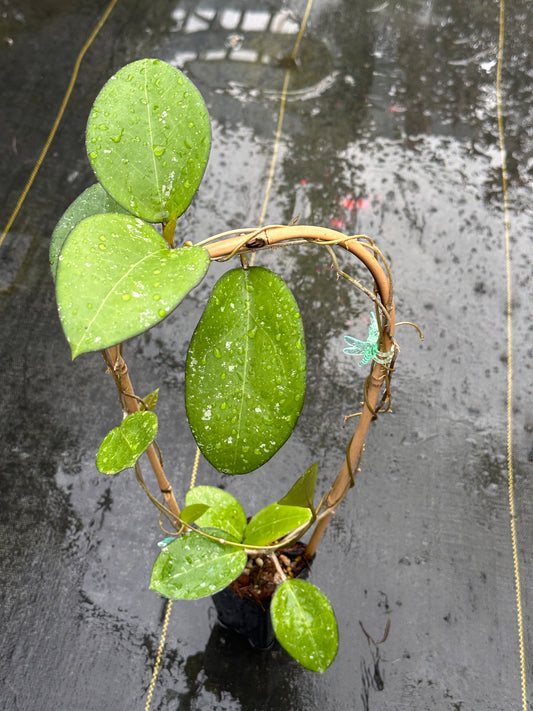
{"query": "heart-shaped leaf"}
(117, 277)
(92, 201)
(123, 446)
(245, 373)
(192, 567)
(304, 624)
(302, 493)
(273, 522)
(224, 511)
(148, 139)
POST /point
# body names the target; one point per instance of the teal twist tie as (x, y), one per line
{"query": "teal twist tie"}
(369, 348)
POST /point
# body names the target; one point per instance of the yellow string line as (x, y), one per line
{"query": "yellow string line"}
(163, 637)
(195, 468)
(510, 472)
(57, 121)
(281, 116)
(159, 655)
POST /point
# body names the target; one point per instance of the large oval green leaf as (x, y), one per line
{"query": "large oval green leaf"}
(148, 139)
(123, 446)
(273, 522)
(224, 511)
(245, 372)
(92, 201)
(304, 624)
(117, 277)
(193, 566)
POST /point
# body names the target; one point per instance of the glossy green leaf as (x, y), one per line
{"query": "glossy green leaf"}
(148, 139)
(224, 513)
(304, 624)
(123, 446)
(303, 491)
(150, 400)
(117, 277)
(191, 513)
(245, 373)
(92, 201)
(192, 567)
(273, 522)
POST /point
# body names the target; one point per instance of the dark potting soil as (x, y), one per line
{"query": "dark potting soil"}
(260, 578)
(244, 606)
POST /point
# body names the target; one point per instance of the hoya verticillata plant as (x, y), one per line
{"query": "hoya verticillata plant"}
(117, 275)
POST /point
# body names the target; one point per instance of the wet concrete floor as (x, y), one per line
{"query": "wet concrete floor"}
(390, 130)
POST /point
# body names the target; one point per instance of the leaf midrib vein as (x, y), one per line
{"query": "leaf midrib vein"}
(110, 292)
(245, 372)
(151, 134)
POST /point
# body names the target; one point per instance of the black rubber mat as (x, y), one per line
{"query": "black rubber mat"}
(390, 130)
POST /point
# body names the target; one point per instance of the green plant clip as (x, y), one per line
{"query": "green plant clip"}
(369, 348)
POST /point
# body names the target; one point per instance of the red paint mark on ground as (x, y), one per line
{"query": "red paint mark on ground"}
(348, 203)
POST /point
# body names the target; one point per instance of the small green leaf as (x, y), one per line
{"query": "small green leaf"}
(303, 491)
(304, 624)
(273, 522)
(148, 139)
(123, 446)
(224, 512)
(191, 513)
(93, 201)
(192, 567)
(150, 400)
(117, 277)
(245, 372)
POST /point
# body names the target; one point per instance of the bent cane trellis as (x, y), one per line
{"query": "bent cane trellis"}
(379, 377)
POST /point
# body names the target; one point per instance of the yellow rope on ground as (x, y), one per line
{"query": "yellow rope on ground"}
(159, 655)
(195, 468)
(57, 121)
(163, 637)
(510, 472)
(281, 116)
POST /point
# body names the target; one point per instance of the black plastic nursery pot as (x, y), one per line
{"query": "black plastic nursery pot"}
(244, 606)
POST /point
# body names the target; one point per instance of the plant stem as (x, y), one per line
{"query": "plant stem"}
(278, 567)
(130, 402)
(345, 477)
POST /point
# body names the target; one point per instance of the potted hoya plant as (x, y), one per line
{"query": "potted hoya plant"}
(118, 273)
